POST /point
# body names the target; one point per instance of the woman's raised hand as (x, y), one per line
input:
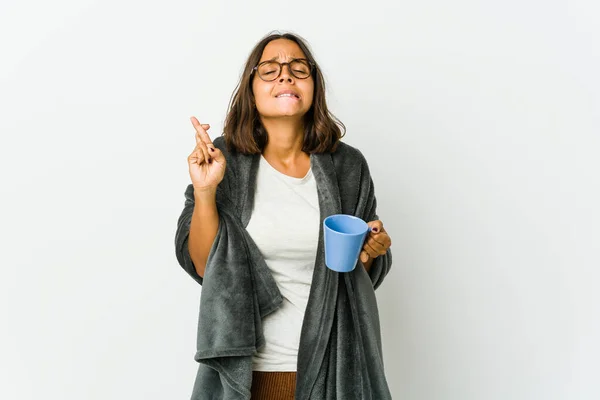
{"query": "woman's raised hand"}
(207, 163)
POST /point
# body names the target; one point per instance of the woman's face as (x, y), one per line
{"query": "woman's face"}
(286, 96)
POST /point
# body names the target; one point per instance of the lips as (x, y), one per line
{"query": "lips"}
(287, 93)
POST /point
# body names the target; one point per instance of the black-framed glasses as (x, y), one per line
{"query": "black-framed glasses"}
(300, 68)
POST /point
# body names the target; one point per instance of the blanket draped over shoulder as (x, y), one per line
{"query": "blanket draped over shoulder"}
(340, 353)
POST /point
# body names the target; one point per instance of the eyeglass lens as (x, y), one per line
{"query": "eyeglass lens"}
(271, 70)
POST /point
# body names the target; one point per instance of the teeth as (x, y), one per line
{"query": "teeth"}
(286, 95)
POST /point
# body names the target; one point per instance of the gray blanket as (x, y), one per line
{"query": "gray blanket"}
(340, 354)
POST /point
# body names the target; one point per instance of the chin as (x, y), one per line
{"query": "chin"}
(284, 113)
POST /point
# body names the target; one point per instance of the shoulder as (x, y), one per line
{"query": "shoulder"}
(239, 165)
(346, 151)
(349, 156)
(231, 157)
(219, 143)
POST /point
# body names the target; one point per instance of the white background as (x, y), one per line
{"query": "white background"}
(480, 121)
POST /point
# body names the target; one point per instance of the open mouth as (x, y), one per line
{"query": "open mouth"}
(287, 94)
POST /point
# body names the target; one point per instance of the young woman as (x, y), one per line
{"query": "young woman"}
(274, 321)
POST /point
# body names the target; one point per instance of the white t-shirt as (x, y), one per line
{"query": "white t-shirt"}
(285, 226)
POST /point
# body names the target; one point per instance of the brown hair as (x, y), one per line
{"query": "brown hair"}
(243, 130)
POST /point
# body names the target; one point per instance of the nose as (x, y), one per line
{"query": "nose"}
(285, 74)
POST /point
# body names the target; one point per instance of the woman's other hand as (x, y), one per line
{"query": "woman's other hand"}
(377, 242)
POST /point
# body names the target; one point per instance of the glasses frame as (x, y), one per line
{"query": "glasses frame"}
(311, 65)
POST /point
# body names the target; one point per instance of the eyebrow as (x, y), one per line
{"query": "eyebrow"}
(291, 58)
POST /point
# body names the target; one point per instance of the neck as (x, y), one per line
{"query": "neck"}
(285, 139)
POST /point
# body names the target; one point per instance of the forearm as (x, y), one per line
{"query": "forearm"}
(203, 229)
